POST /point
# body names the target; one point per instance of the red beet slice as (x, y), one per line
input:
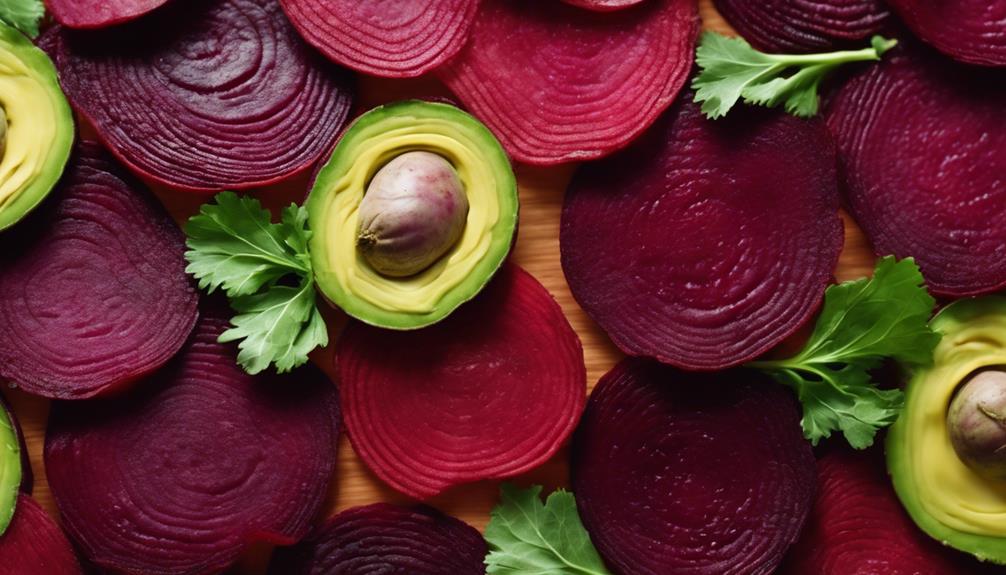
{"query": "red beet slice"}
(93, 290)
(557, 84)
(972, 31)
(384, 538)
(795, 26)
(705, 243)
(99, 13)
(923, 142)
(209, 95)
(34, 544)
(691, 474)
(603, 5)
(393, 38)
(488, 393)
(202, 458)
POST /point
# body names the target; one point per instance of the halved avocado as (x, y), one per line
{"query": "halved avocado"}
(10, 467)
(946, 498)
(39, 126)
(346, 278)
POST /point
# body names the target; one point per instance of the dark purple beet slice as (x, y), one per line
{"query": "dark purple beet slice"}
(705, 243)
(556, 83)
(972, 31)
(603, 5)
(691, 474)
(34, 545)
(207, 95)
(488, 393)
(384, 538)
(27, 477)
(99, 13)
(93, 290)
(201, 458)
(923, 143)
(795, 26)
(392, 38)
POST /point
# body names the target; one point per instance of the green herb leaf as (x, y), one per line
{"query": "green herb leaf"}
(732, 70)
(528, 538)
(862, 322)
(25, 15)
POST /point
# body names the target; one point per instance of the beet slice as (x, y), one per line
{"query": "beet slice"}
(603, 5)
(201, 458)
(705, 243)
(557, 84)
(209, 95)
(34, 544)
(93, 290)
(692, 474)
(795, 26)
(972, 31)
(923, 142)
(99, 13)
(393, 38)
(488, 393)
(384, 538)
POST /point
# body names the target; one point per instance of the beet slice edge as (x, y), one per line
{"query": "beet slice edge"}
(99, 13)
(35, 544)
(972, 31)
(603, 5)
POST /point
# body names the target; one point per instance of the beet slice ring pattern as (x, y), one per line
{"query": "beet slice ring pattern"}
(384, 538)
(34, 544)
(692, 474)
(203, 458)
(972, 31)
(943, 202)
(395, 39)
(93, 290)
(556, 83)
(99, 13)
(488, 393)
(269, 109)
(705, 244)
(603, 5)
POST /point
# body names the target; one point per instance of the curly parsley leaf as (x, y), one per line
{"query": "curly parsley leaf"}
(25, 15)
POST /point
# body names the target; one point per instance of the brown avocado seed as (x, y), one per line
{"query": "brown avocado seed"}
(976, 422)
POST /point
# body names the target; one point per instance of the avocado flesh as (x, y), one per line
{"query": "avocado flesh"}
(10, 469)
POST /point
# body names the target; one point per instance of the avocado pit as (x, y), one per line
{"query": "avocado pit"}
(976, 423)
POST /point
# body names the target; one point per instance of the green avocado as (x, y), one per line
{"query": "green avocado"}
(10, 468)
(36, 127)
(946, 498)
(459, 270)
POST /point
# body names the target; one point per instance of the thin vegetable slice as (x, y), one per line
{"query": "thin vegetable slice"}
(93, 291)
(972, 31)
(99, 13)
(34, 544)
(490, 392)
(603, 5)
(797, 26)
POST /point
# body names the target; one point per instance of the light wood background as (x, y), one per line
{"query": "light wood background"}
(537, 250)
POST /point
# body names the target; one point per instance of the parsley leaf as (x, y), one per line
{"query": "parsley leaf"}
(527, 537)
(861, 323)
(731, 70)
(25, 15)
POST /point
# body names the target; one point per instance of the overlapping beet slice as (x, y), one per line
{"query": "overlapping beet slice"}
(923, 144)
(207, 95)
(393, 38)
(490, 392)
(603, 5)
(34, 544)
(556, 83)
(795, 26)
(705, 243)
(201, 458)
(93, 291)
(384, 538)
(973, 31)
(692, 474)
(99, 13)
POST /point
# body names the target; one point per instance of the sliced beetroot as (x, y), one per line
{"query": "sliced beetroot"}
(93, 290)
(603, 5)
(691, 474)
(923, 143)
(202, 458)
(556, 83)
(207, 95)
(789, 26)
(488, 393)
(972, 31)
(393, 38)
(384, 538)
(34, 544)
(99, 13)
(705, 243)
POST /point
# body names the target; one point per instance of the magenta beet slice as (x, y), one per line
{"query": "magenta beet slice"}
(603, 5)
(392, 38)
(384, 538)
(93, 291)
(795, 26)
(207, 95)
(705, 243)
(99, 13)
(972, 31)
(488, 393)
(691, 474)
(201, 458)
(556, 83)
(923, 143)
(34, 544)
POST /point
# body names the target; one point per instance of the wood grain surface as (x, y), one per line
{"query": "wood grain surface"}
(537, 250)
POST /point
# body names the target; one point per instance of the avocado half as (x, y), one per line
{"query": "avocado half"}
(374, 139)
(10, 467)
(39, 126)
(944, 497)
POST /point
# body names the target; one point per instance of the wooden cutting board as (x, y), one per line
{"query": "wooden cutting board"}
(537, 250)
